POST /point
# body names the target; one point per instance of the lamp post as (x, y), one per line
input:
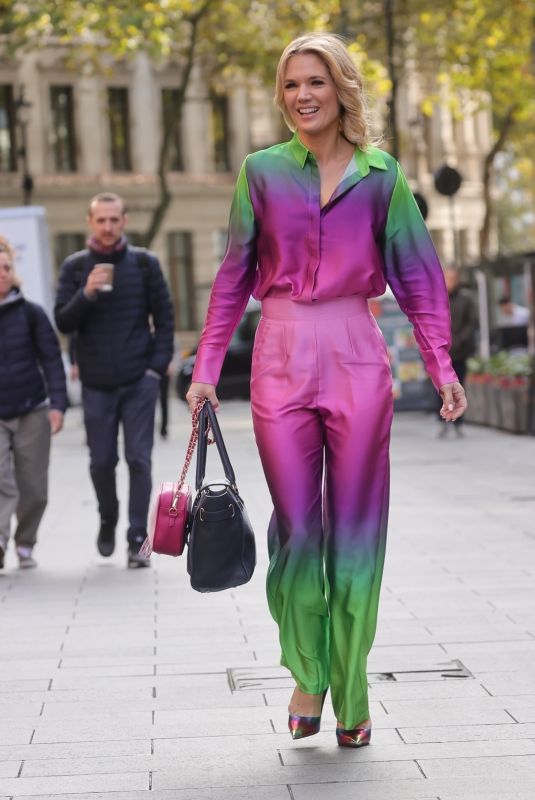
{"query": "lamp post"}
(22, 110)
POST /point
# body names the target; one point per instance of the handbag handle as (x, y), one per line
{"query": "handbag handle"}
(208, 420)
(193, 439)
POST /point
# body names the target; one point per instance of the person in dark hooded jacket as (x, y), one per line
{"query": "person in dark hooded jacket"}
(33, 399)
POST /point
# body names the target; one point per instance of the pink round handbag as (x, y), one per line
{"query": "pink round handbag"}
(168, 517)
(170, 507)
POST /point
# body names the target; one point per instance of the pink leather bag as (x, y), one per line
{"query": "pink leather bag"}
(170, 507)
(168, 518)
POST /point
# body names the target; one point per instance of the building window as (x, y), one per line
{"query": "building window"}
(180, 260)
(66, 244)
(220, 132)
(119, 117)
(62, 135)
(8, 156)
(170, 100)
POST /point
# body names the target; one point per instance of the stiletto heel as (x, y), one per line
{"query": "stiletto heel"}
(301, 727)
(353, 737)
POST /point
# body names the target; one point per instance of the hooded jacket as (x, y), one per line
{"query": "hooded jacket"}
(31, 369)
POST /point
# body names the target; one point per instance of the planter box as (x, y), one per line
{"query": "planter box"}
(477, 394)
(495, 418)
(514, 404)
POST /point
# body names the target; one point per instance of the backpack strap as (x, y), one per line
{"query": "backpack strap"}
(142, 257)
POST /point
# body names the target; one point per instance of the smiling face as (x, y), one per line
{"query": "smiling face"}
(107, 221)
(7, 275)
(310, 96)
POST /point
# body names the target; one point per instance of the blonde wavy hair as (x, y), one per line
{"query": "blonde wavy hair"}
(6, 247)
(354, 114)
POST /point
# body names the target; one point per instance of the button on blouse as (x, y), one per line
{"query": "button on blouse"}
(282, 242)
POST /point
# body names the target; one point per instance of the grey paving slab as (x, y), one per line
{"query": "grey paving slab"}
(467, 733)
(16, 731)
(71, 681)
(509, 683)
(95, 765)
(461, 789)
(24, 685)
(158, 701)
(20, 711)
(75, 750)
(238, 793)
(501, 661)
(522, 713)
(496, 766)
(62, 784)
(40, 668)
(443, 752)
(91, 730)
(10, 769)
(234, 772)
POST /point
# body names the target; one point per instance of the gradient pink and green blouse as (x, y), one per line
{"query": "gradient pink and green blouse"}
(282, 242)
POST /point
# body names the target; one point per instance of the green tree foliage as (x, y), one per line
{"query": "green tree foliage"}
(226, 38)
(476, 53)
(483, 52)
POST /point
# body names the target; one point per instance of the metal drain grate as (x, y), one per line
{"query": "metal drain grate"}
(263, 678)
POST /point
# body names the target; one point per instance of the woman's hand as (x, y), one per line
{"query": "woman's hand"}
(453, 401)
(198, 391)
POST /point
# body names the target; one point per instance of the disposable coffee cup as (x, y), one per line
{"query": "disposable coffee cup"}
(108, 286)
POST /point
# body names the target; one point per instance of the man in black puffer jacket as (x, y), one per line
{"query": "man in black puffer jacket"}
(33, 399)
(123, 344)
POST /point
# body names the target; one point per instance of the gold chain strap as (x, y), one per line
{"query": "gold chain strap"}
(193, 439)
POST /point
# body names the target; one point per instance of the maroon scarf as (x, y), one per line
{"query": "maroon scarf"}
(96, 245)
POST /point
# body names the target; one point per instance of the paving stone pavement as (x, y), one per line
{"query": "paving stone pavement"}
(115, 684)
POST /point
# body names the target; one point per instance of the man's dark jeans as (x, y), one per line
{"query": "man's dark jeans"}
(133, 406)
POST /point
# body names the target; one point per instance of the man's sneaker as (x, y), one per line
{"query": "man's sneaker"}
(2, 556)
(106, 538)
(26, 559)
(135, 558)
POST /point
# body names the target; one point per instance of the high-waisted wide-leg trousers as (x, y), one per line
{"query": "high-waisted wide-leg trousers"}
(321, 393)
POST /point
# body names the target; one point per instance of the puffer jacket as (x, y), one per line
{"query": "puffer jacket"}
(31, 369)
(115, 344)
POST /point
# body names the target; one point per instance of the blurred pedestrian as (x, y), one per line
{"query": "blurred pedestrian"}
(318, 225)
(464, 326)
(115, 299)
(33, 399)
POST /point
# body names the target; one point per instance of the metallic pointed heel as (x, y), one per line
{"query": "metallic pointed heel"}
(301, 727)
(353, 737)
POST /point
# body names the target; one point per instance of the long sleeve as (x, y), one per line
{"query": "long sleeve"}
(415, 276)
(232, 287)
(72, 306)
(161, 310)
(49, 357)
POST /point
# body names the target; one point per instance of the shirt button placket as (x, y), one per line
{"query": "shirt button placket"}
(314, 209)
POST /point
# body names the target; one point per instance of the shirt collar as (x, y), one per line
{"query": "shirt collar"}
(372, 157)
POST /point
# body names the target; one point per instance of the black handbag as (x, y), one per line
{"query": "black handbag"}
(221, 544)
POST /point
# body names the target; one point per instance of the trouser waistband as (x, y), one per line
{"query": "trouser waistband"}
(286, 308)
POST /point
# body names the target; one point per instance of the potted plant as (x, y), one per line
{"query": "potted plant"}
(498, 391)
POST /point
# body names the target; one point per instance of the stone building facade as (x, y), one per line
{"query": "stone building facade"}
(89, 132)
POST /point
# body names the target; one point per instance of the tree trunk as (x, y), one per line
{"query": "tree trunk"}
(170, 125)
(488, 164)
(392, 74)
